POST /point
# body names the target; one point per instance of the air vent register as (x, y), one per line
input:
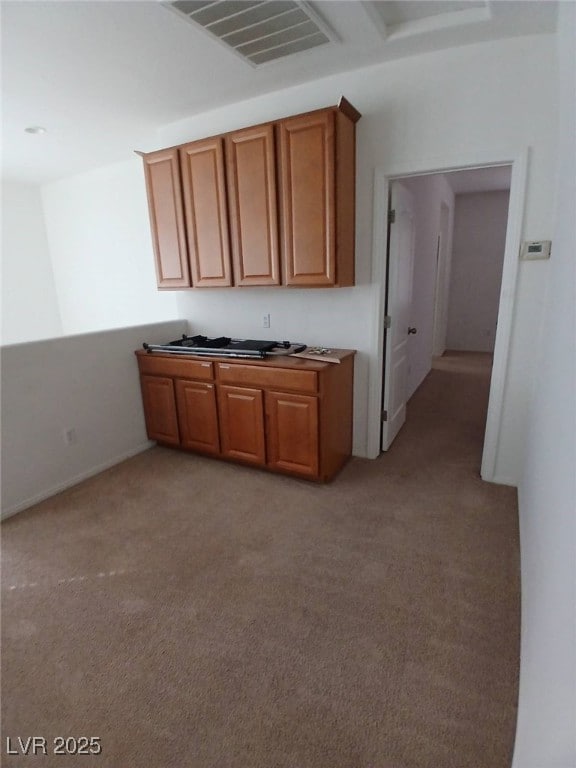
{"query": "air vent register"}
(259, 31)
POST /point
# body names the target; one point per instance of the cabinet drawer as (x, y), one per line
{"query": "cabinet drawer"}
(183, 369)
(268, 378)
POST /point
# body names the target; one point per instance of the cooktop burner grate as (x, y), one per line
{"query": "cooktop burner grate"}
(226, 346)
(201, 341)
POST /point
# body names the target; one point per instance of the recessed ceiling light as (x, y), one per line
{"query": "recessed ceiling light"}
(37, 129)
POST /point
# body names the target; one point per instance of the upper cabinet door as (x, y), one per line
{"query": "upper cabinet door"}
(162, 172)
(308, 199)
(204, 188)
(251, 167)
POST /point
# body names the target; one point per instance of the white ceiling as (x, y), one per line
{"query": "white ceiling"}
(102, 76)
(395, 12)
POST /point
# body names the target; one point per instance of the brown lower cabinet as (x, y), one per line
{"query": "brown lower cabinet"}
(242, 423)
(197, 415)
(288, 415)
(292, 432)
(160, 409)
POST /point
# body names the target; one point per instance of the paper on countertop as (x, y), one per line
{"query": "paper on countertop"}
(324, 354)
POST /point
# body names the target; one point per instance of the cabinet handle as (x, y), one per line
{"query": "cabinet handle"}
(205, 365)
(222, 365)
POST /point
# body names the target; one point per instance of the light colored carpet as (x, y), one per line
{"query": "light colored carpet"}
(479, 363)
(195, 613)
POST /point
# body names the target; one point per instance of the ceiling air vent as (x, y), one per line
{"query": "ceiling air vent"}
(258, 30)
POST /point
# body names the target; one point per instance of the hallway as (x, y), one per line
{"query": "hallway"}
(195, 613)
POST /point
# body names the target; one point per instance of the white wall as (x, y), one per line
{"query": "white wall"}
(29, 302)
(477, 256)
(429, 193)
(99, 240)
(88, 383)
(546, 734)
(467, 100)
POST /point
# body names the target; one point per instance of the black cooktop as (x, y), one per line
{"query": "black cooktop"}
(225, 346)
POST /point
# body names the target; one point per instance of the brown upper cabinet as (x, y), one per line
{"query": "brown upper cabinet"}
(308, 206)
(252, 193)
(162, 173)
(267, 205)
(205, 206)
(318, 164)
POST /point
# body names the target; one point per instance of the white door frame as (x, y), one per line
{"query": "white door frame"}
(442, 282)
(518, 159)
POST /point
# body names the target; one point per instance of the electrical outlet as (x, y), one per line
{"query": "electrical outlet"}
(266, 321)
(69, 435)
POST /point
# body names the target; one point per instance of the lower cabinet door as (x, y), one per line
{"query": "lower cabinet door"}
(292, 433)
(160, 409)
(241, 412)
(198, 416)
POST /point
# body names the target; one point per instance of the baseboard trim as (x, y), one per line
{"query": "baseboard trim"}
(500, 480)
(21, 506)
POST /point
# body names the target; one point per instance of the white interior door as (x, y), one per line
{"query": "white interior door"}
(399, 309)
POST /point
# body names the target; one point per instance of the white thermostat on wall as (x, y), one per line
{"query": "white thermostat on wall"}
(536, 249)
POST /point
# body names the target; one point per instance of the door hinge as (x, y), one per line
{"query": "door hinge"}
(391, 216)
(384, 415)
(387, 321)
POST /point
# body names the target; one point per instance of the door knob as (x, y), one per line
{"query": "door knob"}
(412, 330)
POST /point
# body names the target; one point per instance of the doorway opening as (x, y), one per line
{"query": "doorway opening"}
(408, 351)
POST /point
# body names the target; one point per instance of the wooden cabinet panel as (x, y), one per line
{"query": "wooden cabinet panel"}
(335, 426)
(251, 166)
(268, 204)
(345, 197)
(292, 431)
(160, 409)
(197, 416)
(304, 429)
(241, 413)
(262, 376)
(204, 187)
(308, 199)
(174, 366)
(162, 172)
